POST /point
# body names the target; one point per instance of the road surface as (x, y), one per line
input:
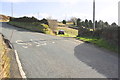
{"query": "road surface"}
(46, 56)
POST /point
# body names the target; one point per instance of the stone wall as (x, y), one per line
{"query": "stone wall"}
(111, 35)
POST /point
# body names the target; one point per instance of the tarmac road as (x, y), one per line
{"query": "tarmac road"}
(46, 56)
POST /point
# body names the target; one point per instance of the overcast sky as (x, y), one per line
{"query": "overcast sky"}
(106, 10)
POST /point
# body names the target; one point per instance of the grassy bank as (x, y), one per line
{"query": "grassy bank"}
(43, 28)
(69, 32)
(100, 42)
(34, 26)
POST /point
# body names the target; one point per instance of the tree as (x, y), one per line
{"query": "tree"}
(90, 24)
(114, 24)
(96, 24)
(86, 23)
(74, 20)
(64, 21)
(78, 22)
(100, 24)
(106, 24)
(83, 23)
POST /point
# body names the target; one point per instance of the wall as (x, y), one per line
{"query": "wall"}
(111, 35)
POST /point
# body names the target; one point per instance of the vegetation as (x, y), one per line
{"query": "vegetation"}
(4, 60)
(34, 26)
(68, 32)
(52, 24)
(99, 42)
(4, 18)
(64, 21)
(89, 24)
(105, 35)
(24, 19)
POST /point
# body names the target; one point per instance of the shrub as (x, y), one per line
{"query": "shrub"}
(97, 33)
(84, 32)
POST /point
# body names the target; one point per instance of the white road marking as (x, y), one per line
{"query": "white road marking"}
(25, 46)
(36, 42)
(22, 43)
(31, 40)
(22, 73)
(42, 34)
(19, 42)
(29, 44)
(37, 45)
(44, 44)
(53, 42)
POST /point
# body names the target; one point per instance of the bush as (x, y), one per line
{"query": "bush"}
(24, 19)
(97, 33)
(109, 34)
(84, 32)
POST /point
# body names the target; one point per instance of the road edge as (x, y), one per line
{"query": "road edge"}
(22, 73)
(10, 45)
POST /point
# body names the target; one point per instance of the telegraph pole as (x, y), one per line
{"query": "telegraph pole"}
(11, 16)
(94, 15)
(12, 9)
(38, 15)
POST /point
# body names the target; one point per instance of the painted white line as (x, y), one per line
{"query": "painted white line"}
(53, 42)
(20, 42)
(37, 45)
(36, 42)
(44, 44)
(22, 73)
(31, 40)
(29, 44)
(25, 46)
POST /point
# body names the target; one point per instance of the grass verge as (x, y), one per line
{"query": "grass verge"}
(100, 42)
(4, 60)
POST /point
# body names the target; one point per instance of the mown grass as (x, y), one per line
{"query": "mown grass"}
(100, 42)
(69, 32)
